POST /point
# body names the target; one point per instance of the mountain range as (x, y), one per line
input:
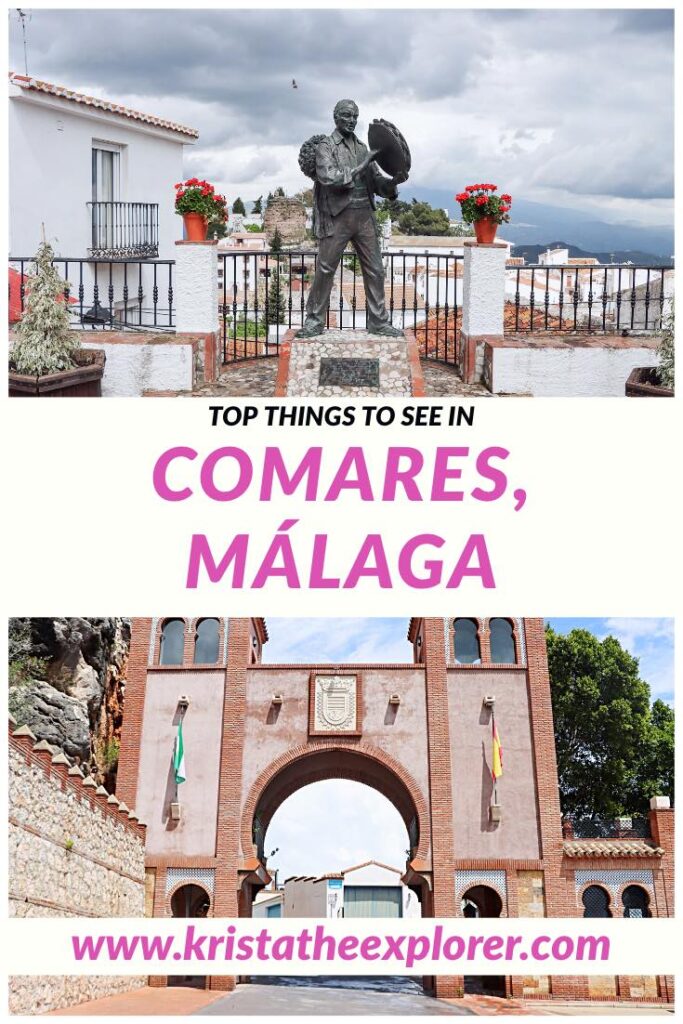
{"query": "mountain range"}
(533, 223)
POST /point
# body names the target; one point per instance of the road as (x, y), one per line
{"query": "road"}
(324, 996)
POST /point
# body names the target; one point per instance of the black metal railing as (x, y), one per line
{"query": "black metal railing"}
(635, 826)
(262, 295)
(595, 299)
(113, 295)
(124, 230)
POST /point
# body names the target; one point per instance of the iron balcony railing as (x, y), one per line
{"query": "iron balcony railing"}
(263, 294)
(106, 295)
(124, 230)
(619, 298)
(635, 826)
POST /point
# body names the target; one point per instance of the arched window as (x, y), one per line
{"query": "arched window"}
(190, 901)
(596, 902)
(172, 642)
(481, 901)
(206, 642)
(502, 642)
(466, 642)
(636, 902)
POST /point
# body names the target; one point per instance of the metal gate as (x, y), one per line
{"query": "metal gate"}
(263, 295)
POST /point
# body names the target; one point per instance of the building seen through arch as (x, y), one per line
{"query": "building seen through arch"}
(255, 733)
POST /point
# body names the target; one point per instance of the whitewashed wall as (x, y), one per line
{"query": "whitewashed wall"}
(565, 372)
(133, 368)
(50, 172)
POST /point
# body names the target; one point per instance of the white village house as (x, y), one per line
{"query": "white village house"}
(370, 889)
(100, 176)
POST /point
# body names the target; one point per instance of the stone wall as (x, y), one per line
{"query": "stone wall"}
(74, 851)
(288, 216)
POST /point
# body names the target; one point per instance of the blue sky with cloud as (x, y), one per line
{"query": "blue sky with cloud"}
(324, 827)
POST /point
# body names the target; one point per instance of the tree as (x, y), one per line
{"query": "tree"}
(216, 229)
(666, 350)
(655, 773)
(423, 219)
(613, 751)
(279, 192)
(393, 207)
(258, 205)
(238, 207)
(44, 342)
(276, 300)
(276, 241)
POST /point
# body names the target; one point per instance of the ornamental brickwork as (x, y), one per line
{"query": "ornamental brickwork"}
(255, 733)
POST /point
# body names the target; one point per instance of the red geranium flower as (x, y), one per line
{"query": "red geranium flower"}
(506, 198)
(503, 208)
(481, 200)
(192, 181)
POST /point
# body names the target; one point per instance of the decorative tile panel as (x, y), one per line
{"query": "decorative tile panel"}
(495, 879)
(614, 880)
(190, 876)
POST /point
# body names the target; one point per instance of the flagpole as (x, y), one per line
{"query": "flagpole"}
(493, 736)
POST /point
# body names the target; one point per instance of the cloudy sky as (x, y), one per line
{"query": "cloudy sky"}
(569, 107)
(341, 810)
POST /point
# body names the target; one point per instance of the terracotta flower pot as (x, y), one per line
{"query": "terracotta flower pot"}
(485, 229)
(195, 227)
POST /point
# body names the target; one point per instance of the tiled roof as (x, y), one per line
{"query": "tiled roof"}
(617, 848)
(371, 863)
(36, 85)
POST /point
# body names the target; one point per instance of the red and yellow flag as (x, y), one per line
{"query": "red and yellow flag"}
(497, 754)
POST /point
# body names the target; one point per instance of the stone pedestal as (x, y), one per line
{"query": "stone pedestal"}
(349, 363)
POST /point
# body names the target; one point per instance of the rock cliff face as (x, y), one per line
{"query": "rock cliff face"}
(67, 681)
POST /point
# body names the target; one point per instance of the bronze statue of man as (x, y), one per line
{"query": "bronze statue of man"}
(346, 182)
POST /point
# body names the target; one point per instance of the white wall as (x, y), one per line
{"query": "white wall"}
(131, 369)
(305, 898)
(570, 371)
(265, 899)
(50, 172)
(378, 874)
(311, 897)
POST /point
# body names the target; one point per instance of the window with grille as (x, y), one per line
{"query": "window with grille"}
(636, 902)
(596, 902)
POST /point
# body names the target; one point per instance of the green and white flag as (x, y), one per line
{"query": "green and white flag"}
(179, 755)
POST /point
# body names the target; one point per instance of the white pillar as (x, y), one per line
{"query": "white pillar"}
(483, 288)
(196, 287)
(483, 305)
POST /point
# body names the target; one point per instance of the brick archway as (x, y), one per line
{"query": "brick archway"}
(333, 759)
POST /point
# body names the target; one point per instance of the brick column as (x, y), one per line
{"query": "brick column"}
(131, 730)
(662, 829)
(559, 900)
(226, 896)
(440, 789)
(196, 298)
(483, 305)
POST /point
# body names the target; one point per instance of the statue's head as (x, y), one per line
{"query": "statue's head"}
(345, 116)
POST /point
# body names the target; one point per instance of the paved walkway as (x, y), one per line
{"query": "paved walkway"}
(176, 1002)
(256, 379)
